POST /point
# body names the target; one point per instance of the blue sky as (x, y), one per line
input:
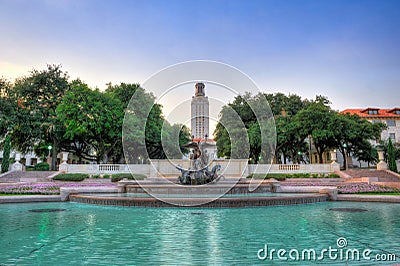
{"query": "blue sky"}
(346, 50)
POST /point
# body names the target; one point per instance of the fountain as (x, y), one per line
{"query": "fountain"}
(198, 172)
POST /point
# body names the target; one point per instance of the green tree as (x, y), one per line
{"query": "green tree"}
(391, 156)
(246, 130)
(122, 92)
(367, 153)
(290, 135)
(5, 164)
(7, 108)
(37, 97)
(351, 132)
(317, 121)
(91, 117)
(232, 132)
(146, 134)
(173, 138)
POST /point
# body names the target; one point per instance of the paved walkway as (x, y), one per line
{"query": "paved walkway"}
(29, 198)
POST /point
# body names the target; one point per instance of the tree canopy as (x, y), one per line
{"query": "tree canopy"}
(299, 122)
(37, 97)
(44, 112)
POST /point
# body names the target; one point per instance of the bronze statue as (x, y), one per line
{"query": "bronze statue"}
(198, 173)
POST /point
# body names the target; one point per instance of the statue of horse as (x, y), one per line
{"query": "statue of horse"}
(212, 175)
(184, 178)
(198, 177)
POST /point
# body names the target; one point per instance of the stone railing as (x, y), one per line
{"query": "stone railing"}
(106, 168)
(229, 168)
(289, 168)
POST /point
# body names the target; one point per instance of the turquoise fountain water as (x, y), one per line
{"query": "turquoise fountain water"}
(76, 234)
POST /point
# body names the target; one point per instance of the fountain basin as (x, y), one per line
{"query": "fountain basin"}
(222, 202)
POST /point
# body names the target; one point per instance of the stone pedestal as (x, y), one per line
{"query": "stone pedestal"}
(64, 165)
(382, 165)
(335, 167)
(17, 166)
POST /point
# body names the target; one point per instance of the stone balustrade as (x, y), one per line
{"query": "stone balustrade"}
(290, 168)
(166, 168)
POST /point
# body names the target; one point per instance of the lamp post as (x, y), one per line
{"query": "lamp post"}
(49, 148)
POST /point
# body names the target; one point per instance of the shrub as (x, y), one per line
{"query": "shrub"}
(280, 177)
(333, 176)
(29, 168)
(299, 175)
(71, 177)
(119, 177)
(41, 167)
(96, 176)
(106, 176)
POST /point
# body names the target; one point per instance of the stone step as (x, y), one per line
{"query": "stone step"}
(381, 175)
(26, 176)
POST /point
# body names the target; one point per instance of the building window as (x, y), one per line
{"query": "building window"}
(392, 136)
(397, 112)
(376, 121)
(372, 112)
(391, 123)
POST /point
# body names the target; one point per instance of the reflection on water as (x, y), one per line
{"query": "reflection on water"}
(86, 234)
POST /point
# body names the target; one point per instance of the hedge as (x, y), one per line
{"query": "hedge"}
(71, 177)
(119, 177)
(41, 167)
(282, 177)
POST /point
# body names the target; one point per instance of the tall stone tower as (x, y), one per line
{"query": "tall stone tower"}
(200, 113)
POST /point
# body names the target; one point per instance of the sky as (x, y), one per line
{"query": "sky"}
(347, 50)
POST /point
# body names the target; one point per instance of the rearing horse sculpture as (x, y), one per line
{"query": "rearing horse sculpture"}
(198, 173)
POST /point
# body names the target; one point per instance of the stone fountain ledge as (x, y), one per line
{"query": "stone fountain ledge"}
(29, 198)
(66, 191)
(369, 198)
(332, 192)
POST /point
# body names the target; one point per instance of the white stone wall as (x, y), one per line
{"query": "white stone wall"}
(391, 129)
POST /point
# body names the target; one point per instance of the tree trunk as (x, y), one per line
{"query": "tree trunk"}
(105, 157)
(321, 160)
(54, 156)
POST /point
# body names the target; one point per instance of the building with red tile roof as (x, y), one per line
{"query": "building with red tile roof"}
(390, 117)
